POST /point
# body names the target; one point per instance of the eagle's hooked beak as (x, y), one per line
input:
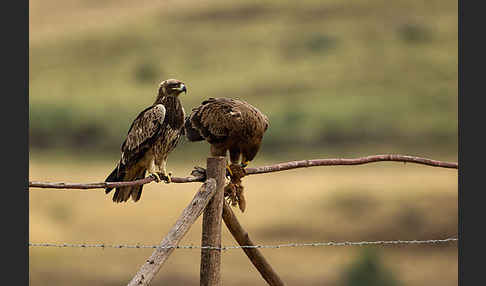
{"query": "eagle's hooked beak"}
(182, 88)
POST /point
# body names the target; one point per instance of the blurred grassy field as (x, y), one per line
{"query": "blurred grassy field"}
(336, 79)
(352, 73)
(383, 201)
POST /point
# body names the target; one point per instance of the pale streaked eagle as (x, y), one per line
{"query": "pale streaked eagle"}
(228, 125)
(151, 137)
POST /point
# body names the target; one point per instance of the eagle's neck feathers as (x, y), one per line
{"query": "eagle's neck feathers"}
(174, 112)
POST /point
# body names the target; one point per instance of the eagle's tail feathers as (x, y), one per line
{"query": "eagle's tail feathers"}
(137, 190)
(122, 194)
(113, 177)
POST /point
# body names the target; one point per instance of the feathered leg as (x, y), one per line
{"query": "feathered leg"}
(234, 158)
(152, 170)
(167, 175)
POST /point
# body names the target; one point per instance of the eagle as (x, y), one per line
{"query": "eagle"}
(154, 133)
(228, 124)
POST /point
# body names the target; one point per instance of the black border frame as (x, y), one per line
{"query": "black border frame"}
(14, 139)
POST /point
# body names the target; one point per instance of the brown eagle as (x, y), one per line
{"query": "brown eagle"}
(151, 137)
(228, 125)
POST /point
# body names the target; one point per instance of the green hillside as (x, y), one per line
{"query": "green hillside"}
(330, 75)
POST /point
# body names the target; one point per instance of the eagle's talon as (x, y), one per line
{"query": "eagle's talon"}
(245, 164)
(167, 178)
(156, 177)
(229, 173)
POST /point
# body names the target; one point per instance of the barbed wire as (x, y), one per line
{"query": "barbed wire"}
(314, 244)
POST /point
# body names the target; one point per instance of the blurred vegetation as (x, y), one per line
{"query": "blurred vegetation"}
(329, 74)
(368, 270)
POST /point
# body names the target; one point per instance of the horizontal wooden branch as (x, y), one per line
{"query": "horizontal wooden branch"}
(102, 185)
(175, 235)
(259, 170)
(356, 161)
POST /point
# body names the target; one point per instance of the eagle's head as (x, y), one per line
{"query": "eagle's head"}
(171, 87)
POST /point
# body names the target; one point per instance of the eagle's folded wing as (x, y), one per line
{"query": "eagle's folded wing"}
(211, 123)
(215, 118)
(142, 133)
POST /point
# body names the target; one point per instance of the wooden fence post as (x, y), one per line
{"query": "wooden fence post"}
(176, 233)
(210, 274)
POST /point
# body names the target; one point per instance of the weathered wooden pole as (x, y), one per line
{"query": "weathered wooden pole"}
(176, 233)
(253, 254)
(210, 274)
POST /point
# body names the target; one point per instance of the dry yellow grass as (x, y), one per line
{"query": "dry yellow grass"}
(51, 19)
(382, 201)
